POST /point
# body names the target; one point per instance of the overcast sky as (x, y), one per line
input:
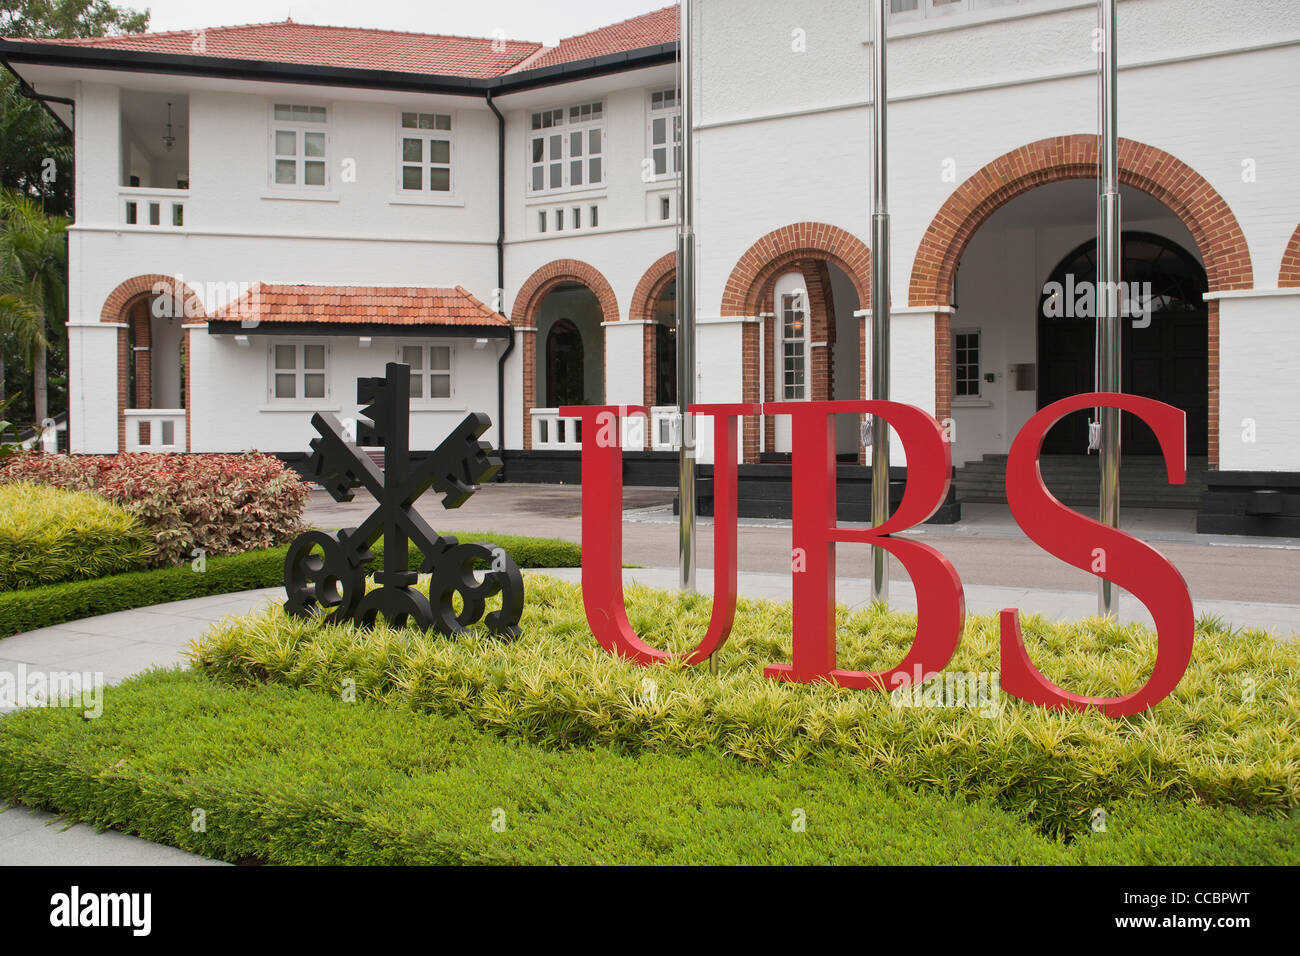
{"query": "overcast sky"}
(542, 20)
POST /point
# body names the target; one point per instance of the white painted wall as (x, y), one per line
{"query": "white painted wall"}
(1258, 341)
(233, 410)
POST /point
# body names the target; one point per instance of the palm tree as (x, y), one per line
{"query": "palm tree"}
(20, 324)
(33, 258)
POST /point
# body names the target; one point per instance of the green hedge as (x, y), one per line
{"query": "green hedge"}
(1228, 736)
(48, 535)
(41, 607)
(293, 778)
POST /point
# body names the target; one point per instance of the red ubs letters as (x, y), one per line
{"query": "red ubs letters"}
(1062, 532)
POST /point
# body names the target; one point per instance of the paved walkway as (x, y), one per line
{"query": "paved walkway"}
(128, 642)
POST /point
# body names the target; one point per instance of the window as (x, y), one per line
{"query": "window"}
(425, 150)
(665, 133)
(794, 346)
(902, 10)
(541, 220)
(430, 370)
(966, 363)
(665, 208)
(298, 145)
(298, 370)
(566, 149)
(594, 221)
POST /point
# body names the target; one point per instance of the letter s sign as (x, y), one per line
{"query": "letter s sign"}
(1132, 564)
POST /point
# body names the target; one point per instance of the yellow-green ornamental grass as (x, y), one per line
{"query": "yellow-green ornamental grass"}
(49, 535)
(1229, 735)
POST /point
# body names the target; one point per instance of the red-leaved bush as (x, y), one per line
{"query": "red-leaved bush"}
(223, 504)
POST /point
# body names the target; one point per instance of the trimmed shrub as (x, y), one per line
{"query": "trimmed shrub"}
(49, 535)
(1208, 742)
(42, 607)
(223, 504)
(294, 778)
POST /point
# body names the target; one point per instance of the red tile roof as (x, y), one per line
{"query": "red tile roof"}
(376, 305)
(347, 47)
(649, 29)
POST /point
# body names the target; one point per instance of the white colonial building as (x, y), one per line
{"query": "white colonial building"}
(265, 213)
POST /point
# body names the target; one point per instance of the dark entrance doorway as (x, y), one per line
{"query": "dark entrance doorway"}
(564, 369)
(1167, 359)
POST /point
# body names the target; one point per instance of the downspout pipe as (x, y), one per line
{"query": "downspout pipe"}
(501, 275)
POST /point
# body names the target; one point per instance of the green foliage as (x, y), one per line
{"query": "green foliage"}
(221, 504)
(68, 18)
(6, 448)
(49, 535)
(42, 607)
(1210, 742)
(292, 778)
(36, 163)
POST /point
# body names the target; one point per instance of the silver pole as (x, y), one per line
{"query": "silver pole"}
(1108, 279)
(879, 308)
(686, 315)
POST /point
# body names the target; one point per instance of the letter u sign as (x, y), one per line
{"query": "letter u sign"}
(941, 603)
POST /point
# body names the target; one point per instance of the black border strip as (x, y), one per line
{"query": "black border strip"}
(140, 61)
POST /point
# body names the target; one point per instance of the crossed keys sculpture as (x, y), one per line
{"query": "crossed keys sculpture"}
(335, 579)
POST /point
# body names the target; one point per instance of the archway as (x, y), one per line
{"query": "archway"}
(153, 361)
(565, 276)
(835, 268)
(654, 303)
(1213, 228)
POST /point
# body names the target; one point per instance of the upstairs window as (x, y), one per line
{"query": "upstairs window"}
(566, 148)
(904, 10)
(424, 149)
(665, 134)
(298, 146)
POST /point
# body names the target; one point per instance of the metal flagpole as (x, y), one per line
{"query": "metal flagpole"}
(879, 309)
(686, 315)
(1107, 298)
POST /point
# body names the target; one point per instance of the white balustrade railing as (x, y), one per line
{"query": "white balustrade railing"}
(551, 431)
(155, 429)
(153, 208)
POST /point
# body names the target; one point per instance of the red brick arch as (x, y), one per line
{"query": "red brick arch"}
(117, 308)
(524, 316)
(137, 286)
(644, 299)
(1185, 191)
(804, 247)
(1289, 276)
(651, 286)
(1182, 189)
(749, 288)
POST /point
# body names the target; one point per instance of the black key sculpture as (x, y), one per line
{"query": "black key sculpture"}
(325, 572)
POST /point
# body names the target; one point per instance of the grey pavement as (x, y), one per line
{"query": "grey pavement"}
(1248, 581)
(986, 547)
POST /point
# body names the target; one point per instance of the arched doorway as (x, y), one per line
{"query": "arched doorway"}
(1164, 345)
(564, 365)
(565, 289)
(1210, 227)
(664, 366)
(152, 312)
(831, 268)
